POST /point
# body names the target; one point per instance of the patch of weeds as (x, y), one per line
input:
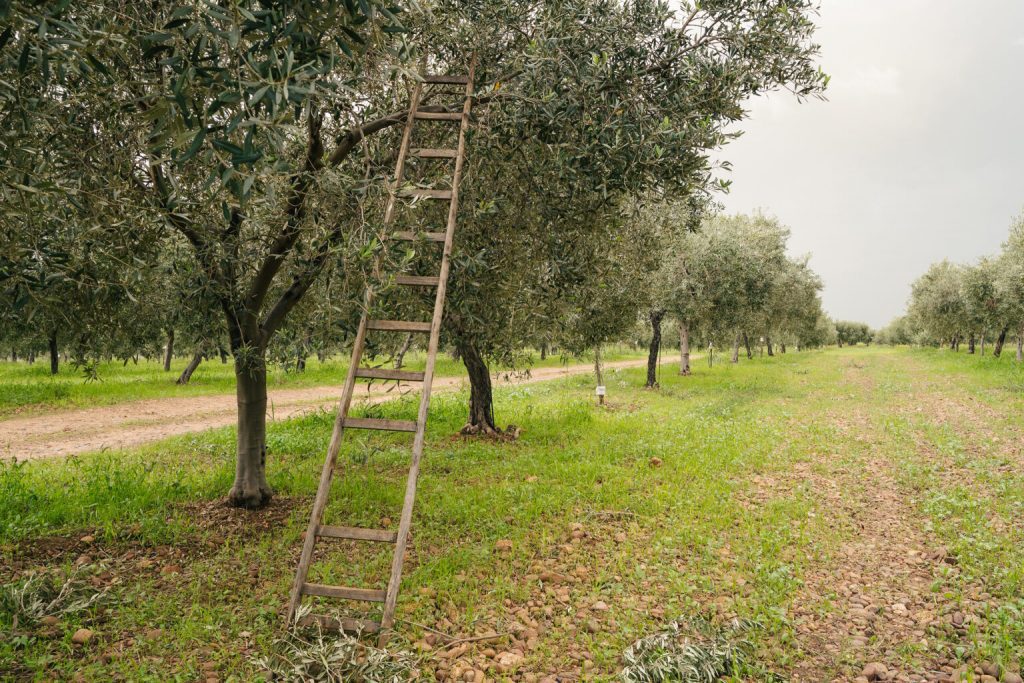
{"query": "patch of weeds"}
(45, 594)
(324, 657)
(690, 650)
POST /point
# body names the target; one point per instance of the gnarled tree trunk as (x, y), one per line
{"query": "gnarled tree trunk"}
(652, 352)
(186, 374)
(251, 489)
(1000, 340)
(736, 350)
(684, 348)
(768, 343)
(970, 344)
(782, 347)
(481, 396)
(404, 349)
(1020, 346)
(54, 353)
(746, 343)
(169, 350)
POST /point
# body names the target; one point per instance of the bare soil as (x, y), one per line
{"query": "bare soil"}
(84, 430)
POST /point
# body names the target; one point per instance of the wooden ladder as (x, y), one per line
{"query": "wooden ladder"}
(317, 529)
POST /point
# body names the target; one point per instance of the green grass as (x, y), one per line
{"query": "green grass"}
(668, 487)
(26, 387)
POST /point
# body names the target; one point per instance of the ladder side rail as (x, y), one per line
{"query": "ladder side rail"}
(405, 523)
(323, 488)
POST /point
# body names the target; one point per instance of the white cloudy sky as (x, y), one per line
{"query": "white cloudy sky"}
(916, 156)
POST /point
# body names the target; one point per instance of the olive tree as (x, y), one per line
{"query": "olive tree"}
(938, 305)
(1010, 283)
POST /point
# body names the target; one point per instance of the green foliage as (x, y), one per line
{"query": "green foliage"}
(318, 657)
(850, 333)
(689, 650)
(733, 275)
(45, 594)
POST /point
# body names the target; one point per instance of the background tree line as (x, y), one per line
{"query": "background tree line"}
(975, 305)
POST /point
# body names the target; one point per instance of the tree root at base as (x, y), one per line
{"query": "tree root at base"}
(510, 433)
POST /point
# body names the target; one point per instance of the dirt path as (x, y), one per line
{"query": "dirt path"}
(888, 603)
(131, 424)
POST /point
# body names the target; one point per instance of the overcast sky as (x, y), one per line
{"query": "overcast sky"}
(916, 156)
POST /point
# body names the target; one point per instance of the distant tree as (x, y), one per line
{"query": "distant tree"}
(1010, 283)
(794, 306)
(851, 333)
(898, 332)
(822, 333)
(984, 307)
(937, 303)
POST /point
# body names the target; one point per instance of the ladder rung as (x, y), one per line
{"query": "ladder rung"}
(428, 153)
(364, 594)
(420, 193)
(353, 533)
(439, 115)
(410, 236)
(398, 326)
(336, 624)
(381, 424)
(385, 373)
(446, 79)
(418, 280)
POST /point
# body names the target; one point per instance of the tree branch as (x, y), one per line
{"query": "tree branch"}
(300, 285)
(295, 212)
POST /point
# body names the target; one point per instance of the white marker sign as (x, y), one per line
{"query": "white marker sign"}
(600, 390)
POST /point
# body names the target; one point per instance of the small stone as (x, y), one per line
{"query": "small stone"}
(655, 462)
(154, 633)
(1010, 677)
(875, 671)
(600, 606)
(593, 626)
(990, 669)
(81, 636)
(469, 676)
(88, 539)
(504, 546)
(508, 660)
(170, 569)
(621, 537)
(49, 620)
